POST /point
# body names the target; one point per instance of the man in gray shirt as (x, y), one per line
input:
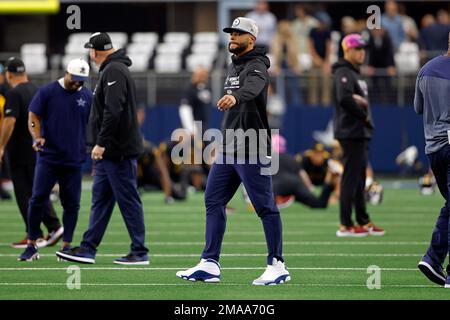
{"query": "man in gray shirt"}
(432, 99)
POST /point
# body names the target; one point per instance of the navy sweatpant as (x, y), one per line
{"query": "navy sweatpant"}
(45, 177)
(223, 181)
(440, 240)
(115, 181)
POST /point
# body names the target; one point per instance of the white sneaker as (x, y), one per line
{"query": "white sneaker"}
(208, 270)
(23, 244)
(54, 236)
(353, 231)
(41, 243)
(274, 274)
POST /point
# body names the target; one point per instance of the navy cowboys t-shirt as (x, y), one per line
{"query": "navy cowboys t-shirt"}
(64, 116)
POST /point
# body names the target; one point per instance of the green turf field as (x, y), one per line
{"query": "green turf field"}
(321, 265)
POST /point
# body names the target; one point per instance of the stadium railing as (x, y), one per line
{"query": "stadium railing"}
(164, 88)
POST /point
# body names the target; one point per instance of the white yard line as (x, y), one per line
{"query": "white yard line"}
(261, 243)
(147, 209)
(181, 268)
(321, 285)
(196, 233)
(121, 225)
(287, 254)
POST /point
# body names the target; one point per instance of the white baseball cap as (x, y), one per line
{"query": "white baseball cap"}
(78, 69)
(242, 24)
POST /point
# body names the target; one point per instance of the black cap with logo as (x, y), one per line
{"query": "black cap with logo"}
(99, 41)
(15, 65)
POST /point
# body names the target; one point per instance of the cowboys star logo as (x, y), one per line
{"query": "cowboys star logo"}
(81, 102)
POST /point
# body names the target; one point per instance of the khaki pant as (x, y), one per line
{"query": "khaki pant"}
(319, 87)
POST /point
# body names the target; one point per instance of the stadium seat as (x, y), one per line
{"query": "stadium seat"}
(119, 39)
(34, 56)
(195, 60)
(145, 37)
(407, 59)
(204, 47)
(170, 48)
(139, 61)
(79, 37)
(33, 49)
(408, 47)
(206, 37)
(35, 63)
(182, 38)
(75, 48)
(168, 63)
(142, 48)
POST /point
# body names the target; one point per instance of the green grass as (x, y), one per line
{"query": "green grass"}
(321, 265)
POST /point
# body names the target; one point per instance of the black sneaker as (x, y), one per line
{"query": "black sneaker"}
(29, 254)
(132, 259)
(65, 249)
(77, 254)
(432, 271)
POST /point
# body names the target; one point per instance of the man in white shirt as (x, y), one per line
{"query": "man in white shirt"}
(302, 26)
(267, 23)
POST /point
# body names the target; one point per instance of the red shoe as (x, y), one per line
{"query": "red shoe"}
(284, 201)
(353, 231)
(374, 230)
(22, 244)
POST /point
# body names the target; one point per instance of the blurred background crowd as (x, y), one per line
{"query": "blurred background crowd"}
(179, 63)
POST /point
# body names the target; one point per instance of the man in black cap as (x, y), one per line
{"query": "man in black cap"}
(15, 137)
(117, 144)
